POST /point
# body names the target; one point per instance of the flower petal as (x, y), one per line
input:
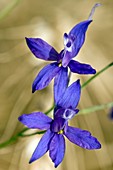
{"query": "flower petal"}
(81, 68)
(71, 96)
(42, 49)
(77, 35)
(58, 124)
(82, 138)
(45, 76)
(36, 120)
(57, 149)
(60, 84)
(42, 147)
(67, 53)
(66, 58)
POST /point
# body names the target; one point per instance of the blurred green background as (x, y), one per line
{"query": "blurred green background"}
(49, 19)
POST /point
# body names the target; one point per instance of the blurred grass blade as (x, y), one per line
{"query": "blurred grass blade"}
(8, 9)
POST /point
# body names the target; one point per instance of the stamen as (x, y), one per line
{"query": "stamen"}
(61, 132)
(93, 10)
(60, 64)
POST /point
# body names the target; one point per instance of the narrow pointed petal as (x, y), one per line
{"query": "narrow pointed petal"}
(57, 149)
(71, 96)
(36, 120)
(77, 34)
(42, 49)
(60, 84)
(42, 147)
(45, 76)
(82, 138)
(81, 68)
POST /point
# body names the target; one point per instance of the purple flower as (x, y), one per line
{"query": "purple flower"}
(53, 140)
(72, 45)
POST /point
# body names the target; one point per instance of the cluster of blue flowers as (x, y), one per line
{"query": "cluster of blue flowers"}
(66, 98)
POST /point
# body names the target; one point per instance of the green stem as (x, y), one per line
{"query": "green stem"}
(8, 9)
(8, 142)
(95, 108)
(21, 133)
(31, 134)
(48, 111)
(93, 77)
(12, 139)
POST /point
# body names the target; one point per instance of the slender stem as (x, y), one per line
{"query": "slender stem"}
(21, 134)
(8, 9)
(95, 108)
(93, 77)
(31, 134)
(48, 111)
(8, 142)
(12, 139)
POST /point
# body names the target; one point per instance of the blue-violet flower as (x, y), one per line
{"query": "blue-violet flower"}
(72, 45)
(53, 140)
